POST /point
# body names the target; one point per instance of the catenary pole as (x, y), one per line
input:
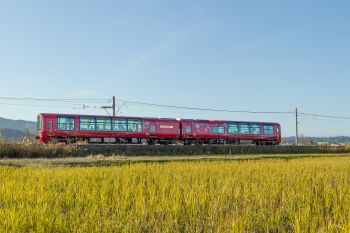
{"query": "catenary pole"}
(113, 98)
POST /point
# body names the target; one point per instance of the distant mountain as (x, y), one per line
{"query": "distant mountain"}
(12, 134)
(20, 125)
(16, 129)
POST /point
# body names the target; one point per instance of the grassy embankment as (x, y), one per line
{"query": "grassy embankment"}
(64, 151)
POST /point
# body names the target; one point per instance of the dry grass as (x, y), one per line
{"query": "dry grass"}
(35, 150)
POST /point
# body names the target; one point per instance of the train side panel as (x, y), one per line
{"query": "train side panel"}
(161, 128)
(101, 128)
(53, 127)
(231, 132)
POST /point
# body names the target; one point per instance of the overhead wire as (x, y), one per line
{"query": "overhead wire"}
(205, 109)
(83, 103)
(144, 109)
(54, 100)
(324, 116)
(35, 105)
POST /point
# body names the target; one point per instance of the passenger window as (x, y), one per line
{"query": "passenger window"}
(268, 130)
(87, 123)
(65, 123)
(189, 129)
(244, 128)
(218, 130)
(103, 124)
(134, 126)
(120, 125)
(232, 129)
(255, 129)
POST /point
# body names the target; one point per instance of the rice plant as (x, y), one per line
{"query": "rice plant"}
(302, 195)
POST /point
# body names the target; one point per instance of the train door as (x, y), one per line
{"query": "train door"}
(180, 131)
(49, 127)
(152, 130)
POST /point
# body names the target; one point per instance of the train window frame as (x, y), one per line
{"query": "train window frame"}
(59, 124)
(240, 128)
(49, 124)
(269, 129)
(89, 125)
(230, 125)
(218, 129)
(152, 128)
(255, 126)
(42, 126)
(119, 125)
(38, 123)
(108, 121)
(138, 126)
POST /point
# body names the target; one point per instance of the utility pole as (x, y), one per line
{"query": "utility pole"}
(113, 106)
(296, 127)
(110, 107)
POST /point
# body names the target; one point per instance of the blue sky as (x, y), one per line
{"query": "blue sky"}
(239, 55)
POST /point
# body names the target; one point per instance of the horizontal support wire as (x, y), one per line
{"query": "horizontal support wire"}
(24, 102)
(203, 109)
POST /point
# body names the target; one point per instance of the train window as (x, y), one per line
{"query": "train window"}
(268, 130)
(232, 129)
(134, 126)
(218, 130)
(152, 128)
(189, 129)
(65, 123)
(103, 124)
(41, 123)
(88, 123)
(50, 124)
(255, 129)
(38, 125)
(119, 125)
(244, 128)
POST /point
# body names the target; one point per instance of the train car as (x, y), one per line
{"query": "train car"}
(218, 132)
(106, 129)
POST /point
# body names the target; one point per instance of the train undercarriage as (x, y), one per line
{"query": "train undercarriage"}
(154, 141)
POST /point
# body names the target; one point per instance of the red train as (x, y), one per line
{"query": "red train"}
(106, 129)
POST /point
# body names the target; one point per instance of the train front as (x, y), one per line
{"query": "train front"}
(40, 133)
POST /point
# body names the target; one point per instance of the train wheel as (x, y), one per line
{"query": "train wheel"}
(187, 142)
(69, 140)
(151, 142)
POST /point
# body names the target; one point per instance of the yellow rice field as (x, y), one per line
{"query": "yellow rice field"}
(300, 195)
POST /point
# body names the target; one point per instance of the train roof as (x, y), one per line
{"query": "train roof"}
(227, 121)
(158, 118)
(89, 115)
